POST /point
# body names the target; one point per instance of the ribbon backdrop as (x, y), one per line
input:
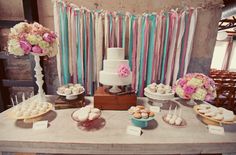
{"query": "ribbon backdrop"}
(158, 45)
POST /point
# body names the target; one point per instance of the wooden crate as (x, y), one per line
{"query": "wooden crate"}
(62, 103)
(106, 101)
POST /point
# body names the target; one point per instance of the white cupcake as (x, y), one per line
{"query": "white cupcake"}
(67, 91)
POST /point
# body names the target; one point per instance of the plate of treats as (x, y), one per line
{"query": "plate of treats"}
(31, 110)
(86, 115)
(214, 115)
(70, 91)
(140, 116)
(174, 119)
(159, 93)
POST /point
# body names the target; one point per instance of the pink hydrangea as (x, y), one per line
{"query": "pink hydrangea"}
(124, 71)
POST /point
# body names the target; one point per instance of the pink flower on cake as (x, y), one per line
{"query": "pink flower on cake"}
(37, 49)
(26, 46)
(124, 70)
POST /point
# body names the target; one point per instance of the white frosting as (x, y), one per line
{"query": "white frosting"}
(108, 78)
(113, 65)
(115, 53)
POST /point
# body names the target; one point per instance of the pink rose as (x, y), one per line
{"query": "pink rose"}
(208, 97)
(49, 37)
(37, 49)
(26, 46)
(182, 82)
(124, 71)
(188, 90)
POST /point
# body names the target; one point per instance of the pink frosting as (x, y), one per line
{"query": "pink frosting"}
(124, 71)
(26, 46)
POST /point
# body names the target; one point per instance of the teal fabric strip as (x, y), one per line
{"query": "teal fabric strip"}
(91, 54)
(85, 50)
(62, 40)
(131, 40)
(164, 49)
(110, 23)
(79, 64)
(141, 56)
(123, 31)
(150, 58)
(65, 51)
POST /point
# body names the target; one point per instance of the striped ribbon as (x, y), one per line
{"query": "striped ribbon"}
(159, 44)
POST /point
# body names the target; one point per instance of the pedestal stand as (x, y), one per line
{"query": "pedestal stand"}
(39, 79)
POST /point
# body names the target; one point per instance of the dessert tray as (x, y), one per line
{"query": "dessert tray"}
(70, 91)
(182, 124)
(142, 122)
(30, 112)
(158, 93)
(86, 115)
(140, 116)
(210, 120)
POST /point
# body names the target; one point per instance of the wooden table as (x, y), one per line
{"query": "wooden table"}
(64, 136)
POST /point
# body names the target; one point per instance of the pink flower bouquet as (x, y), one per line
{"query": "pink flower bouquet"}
(195, 86)
(33, 38)
(124, 71)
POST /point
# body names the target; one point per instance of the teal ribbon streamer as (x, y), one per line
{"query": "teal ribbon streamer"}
(141, 56)
(165, 49)
(123, 31)
(85, 49)
(152, 18)
(65, 50)
(91, 54)
(110, 23)
(79, 63)
(131, 40)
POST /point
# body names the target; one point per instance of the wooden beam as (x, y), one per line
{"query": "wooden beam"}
(30, 10)
(9, 23)
(5, 55)
(16, 83)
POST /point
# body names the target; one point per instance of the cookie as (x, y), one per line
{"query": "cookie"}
(144, 115)
(151, 114)
(137, 115)
(140, 107)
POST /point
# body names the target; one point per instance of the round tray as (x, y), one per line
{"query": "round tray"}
(142, 123)
(71, 96)
(158, 96)
(210, 120)
(50, 107)
(86, 123)
(183, 123)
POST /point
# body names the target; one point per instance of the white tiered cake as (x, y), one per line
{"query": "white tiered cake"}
(111, 69)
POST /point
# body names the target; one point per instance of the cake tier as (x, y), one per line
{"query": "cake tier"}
(113, 65)
(115, 53)
(113, 79)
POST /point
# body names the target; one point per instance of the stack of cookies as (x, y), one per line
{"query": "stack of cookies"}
(139, 112)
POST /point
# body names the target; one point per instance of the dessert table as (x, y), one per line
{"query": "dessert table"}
(65, 137)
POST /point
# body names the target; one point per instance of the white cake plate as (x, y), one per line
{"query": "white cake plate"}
(71, 96)
(114, 89)
(158, 99)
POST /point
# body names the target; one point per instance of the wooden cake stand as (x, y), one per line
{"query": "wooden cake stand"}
(211, 121)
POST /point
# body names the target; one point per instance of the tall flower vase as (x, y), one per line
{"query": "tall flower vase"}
(191, 102)
(39, 79)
